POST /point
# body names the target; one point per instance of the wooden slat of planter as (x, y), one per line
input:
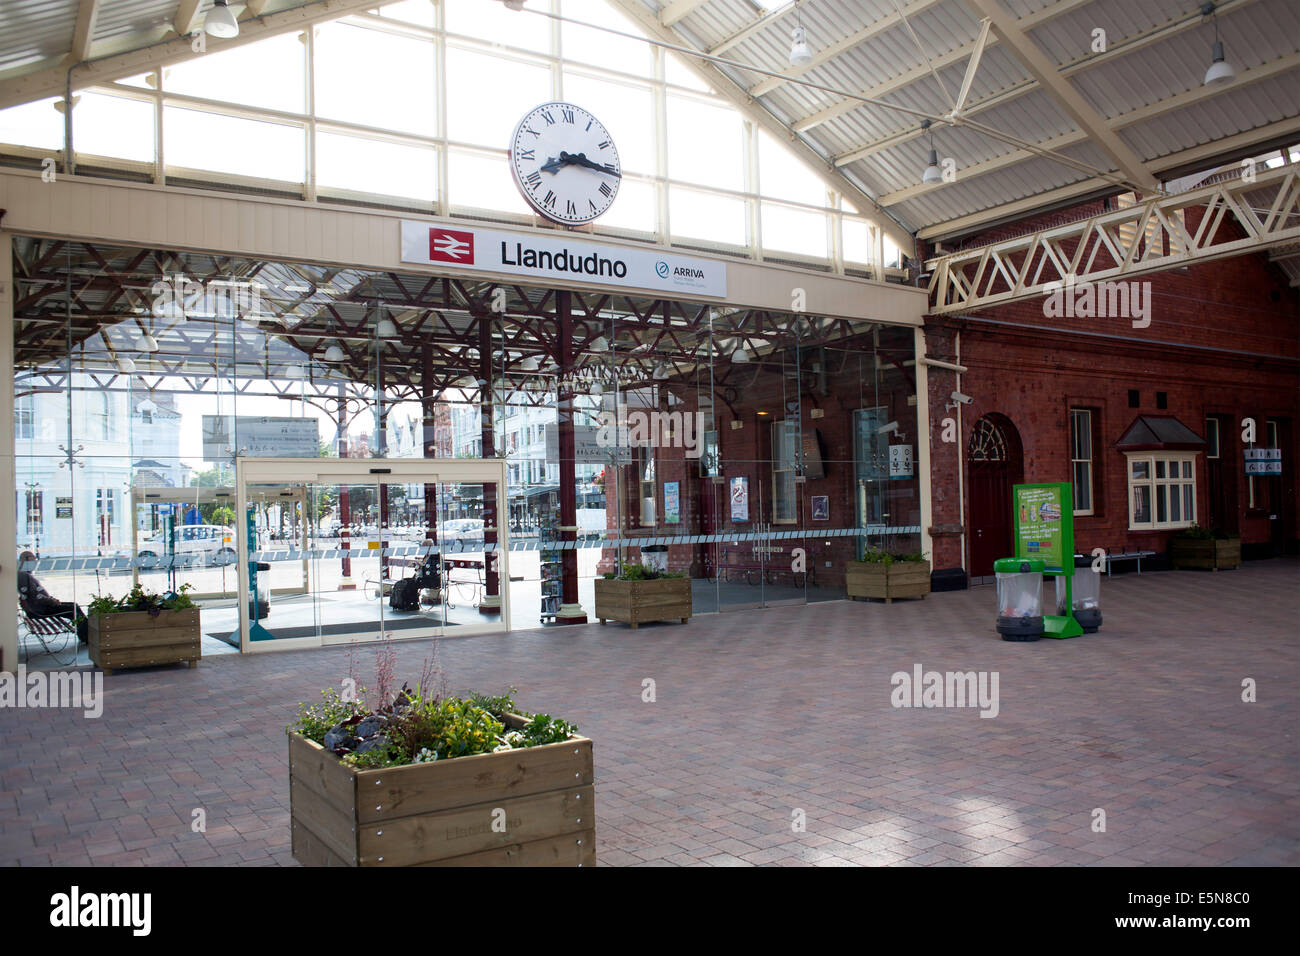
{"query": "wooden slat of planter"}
(310, 851)
(149, 637)
(321, 771)
(412, 840)
(324, 820)
(144, 656)
(570, 849)
(421, 789)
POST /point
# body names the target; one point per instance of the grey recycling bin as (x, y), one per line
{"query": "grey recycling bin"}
(259, 602)
(1020, 598)
(1085, 591)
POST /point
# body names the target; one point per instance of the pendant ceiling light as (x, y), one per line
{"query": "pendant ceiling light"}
(597, 389)
(661, 372)
(335, 354)
(126, 364)
(800, 54)
(1220, 71)
(144, 342)
(386, 329)
(740, 355)
(600, 344)
(514, 4)
(932, 173)
(528, 363)
(220, 21)
(295, 372)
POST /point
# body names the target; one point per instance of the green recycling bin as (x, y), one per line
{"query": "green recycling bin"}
(1020, 598)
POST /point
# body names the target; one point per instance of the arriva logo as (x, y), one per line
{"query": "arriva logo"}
(661, 269)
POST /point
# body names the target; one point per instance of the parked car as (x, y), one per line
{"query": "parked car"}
(194, 544)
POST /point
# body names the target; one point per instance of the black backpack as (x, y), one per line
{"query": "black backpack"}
(405, 596)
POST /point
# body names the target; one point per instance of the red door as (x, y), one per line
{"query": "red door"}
(994, 464)
(990, 516)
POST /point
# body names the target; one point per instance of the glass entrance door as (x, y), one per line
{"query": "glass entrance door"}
(376, 549)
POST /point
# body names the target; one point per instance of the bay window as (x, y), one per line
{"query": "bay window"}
(1161, 490)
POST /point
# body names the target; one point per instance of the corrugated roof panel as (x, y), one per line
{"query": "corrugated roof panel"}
(35, 30)
(124, 17)
(1069, 37)
(1221, 116)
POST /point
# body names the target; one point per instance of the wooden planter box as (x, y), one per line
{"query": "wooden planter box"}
(1205, 553)
(135, 639)
(441, 813)
(636, 602)
(902, 579)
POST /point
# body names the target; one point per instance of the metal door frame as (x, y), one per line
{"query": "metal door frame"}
(303, 471)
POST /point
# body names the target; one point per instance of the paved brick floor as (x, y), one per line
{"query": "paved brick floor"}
(760, 713)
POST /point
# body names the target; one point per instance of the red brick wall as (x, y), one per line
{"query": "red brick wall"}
(1224, 338)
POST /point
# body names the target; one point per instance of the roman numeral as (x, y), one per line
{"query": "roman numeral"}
(603, 145)
(526, 154)
(605, 190)
(569, 208)
(549, 200)
(589, 122)
(568, 115)
(592, 205)
(546, 115)
(529, 129)
(533, 179)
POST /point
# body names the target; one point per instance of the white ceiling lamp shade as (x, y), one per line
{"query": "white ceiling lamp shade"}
(220, 21)
(386, 329)
(597, 389)
(932, 174)
(1220, 71)
(515, 5)
(600, 344)
(528, 363)
(800, 53)
(661, 372)
(295, 372)
(145, 342)
(741, 355)
(335, 354)
(125, 364)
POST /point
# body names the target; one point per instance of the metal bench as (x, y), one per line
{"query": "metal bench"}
(1124, 556)
(49, 631)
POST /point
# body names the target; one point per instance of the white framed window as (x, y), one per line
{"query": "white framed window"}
(1081, 459)
(1211, 438)
(785, 439)
(24, 414)
(35, 512)
(1161, 490)
(646, 484)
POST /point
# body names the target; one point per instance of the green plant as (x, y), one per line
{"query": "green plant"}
(639, 572)
(138, 599)
(877, 556)
(1197, 533)
(315, 720)
(496, 706)
(542, 729)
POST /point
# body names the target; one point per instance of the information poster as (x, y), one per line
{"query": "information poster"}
(1044, 523)
(1263, 461)
(672, 503)
(63, 506)
(900, 461)
(739, 499)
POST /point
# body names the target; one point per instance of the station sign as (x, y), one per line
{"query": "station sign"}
(542, 258)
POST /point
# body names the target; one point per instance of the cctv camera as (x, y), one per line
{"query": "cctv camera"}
(885, 429)
(961, 398)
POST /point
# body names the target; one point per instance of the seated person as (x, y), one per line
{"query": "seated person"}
(37, 602)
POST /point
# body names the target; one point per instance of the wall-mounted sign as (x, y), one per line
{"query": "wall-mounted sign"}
(900, 461)
(821, 508)
(63, 506)
(1263, 461)
(739, 499)
(259, 437)
(672, 502)
(542, 257)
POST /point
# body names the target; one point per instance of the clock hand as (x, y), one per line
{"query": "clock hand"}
(582, 160)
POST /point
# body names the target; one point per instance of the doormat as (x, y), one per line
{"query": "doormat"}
(367, 627)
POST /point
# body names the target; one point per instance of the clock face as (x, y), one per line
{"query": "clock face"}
(565, 163)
